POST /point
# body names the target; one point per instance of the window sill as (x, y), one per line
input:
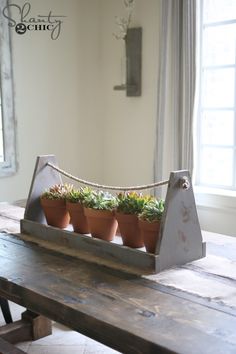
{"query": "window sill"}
(215, 198)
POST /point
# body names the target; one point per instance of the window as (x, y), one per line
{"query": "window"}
(7, 119)
(1, 133)
(216, 161)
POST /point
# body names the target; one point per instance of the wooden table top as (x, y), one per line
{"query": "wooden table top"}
(188, 309)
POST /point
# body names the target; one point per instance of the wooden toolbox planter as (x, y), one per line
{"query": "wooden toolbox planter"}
(180, 238)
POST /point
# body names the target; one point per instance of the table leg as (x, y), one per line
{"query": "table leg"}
(5, 310)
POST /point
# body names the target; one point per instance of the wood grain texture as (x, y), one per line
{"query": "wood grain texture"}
(93, 249)
(43, 178)
(7, 348)
(31, 327)
(124, 311)
(18, 331)
(181, 238)
(10, 217)
(40, 326)
(134, 62)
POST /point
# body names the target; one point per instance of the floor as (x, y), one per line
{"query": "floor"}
(62, 340)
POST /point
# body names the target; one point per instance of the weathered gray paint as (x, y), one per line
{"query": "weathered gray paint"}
(43, 178)
(133, 49)
(134, 61)
(180, 238)
(9, 166)
(89, 248)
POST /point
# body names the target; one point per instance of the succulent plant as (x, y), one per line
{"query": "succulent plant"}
(78, 195)
(58, 191)
(131, 202)
(153, 210)
(100, 200)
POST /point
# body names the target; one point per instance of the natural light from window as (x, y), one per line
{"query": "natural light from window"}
(216, 165)
(1, 132)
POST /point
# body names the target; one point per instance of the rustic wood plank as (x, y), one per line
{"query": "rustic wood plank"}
(215, 266)
(218, 239)
(7, 348)
(11, 212)
(40, 326)
(43, 178)
(225, 250)
(212, 277)
(89, 248)
(18, 331)
(118, 309)
(214, 289)
(8, 225)
(10, 217)
(181, 239)
(31, 327)
(133, 61)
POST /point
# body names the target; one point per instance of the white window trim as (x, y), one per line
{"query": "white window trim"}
(9, 166)
(212, 202)
(220, 199)
(211, 190)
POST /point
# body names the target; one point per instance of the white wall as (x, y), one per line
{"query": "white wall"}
(57, 94)
(129, 122)
(65, 102)
(64, 98)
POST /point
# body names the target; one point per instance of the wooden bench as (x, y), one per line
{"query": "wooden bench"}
(7, 348)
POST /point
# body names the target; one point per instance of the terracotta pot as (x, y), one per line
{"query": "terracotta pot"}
(130, 233)
(55, 212)
(102, 223)
(77, 217)
(150, 234)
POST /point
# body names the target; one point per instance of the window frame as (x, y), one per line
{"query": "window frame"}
(213, 188)
(9, 166)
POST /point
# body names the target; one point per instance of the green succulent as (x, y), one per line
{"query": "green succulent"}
(153, 210)
(78, 195)
(58, 191)
(131, 202)
(100, 200)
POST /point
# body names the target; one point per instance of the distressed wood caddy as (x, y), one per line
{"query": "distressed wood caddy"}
(180, 238)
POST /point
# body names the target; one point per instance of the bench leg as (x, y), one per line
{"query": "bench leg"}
(41, 326)
(30, 327)
(7, 348)
(5, 310)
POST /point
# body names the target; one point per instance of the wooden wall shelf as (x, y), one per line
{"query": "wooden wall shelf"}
(133, 52)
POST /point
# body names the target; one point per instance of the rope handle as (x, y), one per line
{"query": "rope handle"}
(115, 188)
